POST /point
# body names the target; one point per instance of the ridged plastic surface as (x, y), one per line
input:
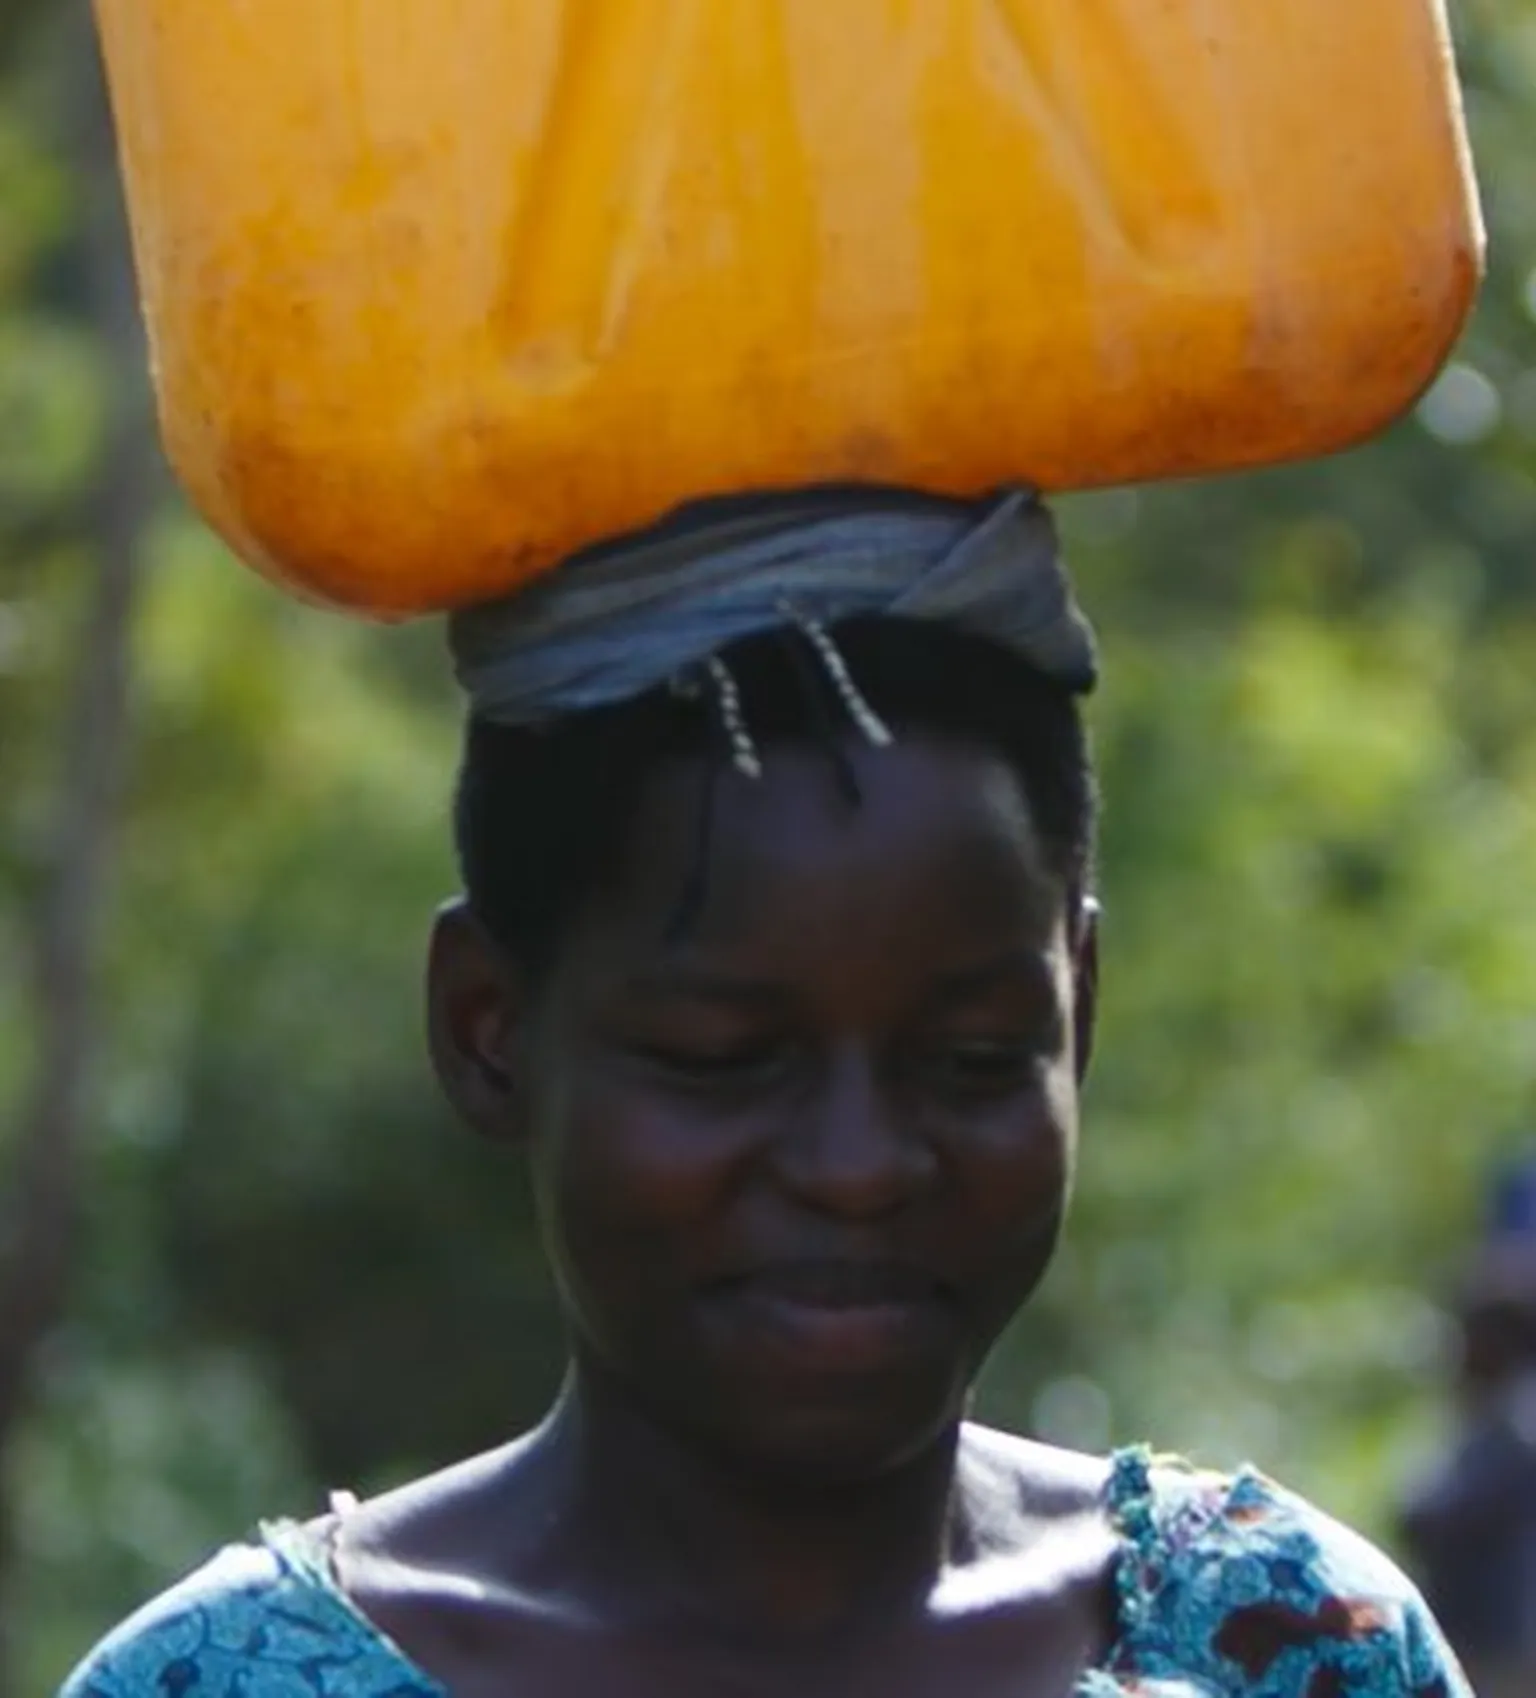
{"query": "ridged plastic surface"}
(439, 290)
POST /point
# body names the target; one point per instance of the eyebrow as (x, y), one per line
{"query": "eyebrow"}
(688, 984)
(1025, 966)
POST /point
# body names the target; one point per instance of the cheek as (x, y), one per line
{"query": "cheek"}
(1016, 1172)
(630, 1189)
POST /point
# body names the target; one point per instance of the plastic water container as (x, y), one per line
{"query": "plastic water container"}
(440, 290)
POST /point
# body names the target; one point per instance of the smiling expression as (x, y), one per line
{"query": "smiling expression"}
(798, 1167)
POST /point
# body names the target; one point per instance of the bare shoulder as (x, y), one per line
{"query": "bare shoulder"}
(416, 1517)
(1048, 1483)
(1036, 1575)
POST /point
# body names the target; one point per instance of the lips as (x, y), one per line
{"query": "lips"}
(841, 1284)
(834, 1318)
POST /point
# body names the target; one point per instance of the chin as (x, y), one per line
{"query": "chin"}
(860, 1434)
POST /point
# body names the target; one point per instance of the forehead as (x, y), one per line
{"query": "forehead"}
(939, 856)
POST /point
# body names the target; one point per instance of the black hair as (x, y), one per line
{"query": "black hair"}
(541, 813)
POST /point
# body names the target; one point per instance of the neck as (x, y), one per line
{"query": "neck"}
(695, 1537)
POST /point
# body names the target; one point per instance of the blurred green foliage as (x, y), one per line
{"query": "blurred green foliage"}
(1319, 872)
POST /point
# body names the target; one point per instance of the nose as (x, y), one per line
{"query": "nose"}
(848, 1151)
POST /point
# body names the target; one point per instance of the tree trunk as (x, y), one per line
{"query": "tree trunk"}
(38, 1235)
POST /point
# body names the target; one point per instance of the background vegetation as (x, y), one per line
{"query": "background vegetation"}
(242, 1254)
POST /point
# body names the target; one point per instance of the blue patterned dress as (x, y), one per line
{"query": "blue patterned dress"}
(1228, 1586)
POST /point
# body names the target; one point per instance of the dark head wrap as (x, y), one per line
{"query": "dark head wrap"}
(655, 608)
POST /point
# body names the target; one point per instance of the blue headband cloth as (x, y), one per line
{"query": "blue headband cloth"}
(627, 617)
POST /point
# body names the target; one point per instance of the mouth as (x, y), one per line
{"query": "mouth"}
(840, 1284)
(835, 1316)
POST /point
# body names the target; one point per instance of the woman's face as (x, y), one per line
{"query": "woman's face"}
(797, 1167)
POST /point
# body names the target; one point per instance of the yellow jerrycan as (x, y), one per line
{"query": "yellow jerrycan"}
(440, 290)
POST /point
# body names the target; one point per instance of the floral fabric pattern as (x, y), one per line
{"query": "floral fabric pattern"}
(257, 1622)
(1229, 1587)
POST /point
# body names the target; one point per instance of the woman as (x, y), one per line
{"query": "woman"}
(778, 959)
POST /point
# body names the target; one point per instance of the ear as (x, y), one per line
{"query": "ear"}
(1085, 979)
(477, 1009)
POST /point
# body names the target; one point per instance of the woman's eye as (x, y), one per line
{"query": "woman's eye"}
(725, 1064)
(983, 1065)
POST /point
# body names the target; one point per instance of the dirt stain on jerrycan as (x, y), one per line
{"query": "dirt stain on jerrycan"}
(441, 290)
